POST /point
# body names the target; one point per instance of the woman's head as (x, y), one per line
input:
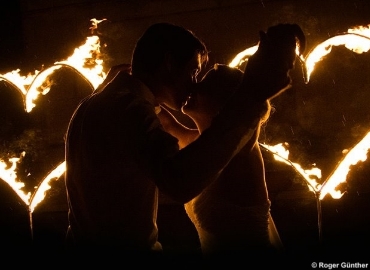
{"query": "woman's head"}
(210, 94)
(167, 57)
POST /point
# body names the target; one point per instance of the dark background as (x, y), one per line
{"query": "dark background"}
(319, 119)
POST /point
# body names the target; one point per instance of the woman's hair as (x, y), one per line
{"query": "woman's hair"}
(165, 38)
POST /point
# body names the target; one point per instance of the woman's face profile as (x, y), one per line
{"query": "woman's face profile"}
(210, 94)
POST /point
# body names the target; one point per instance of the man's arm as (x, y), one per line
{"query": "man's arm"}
(170, 124)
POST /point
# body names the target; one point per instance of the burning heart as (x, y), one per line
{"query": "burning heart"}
(33, 135)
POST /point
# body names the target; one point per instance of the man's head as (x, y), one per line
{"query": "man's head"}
(167, 58)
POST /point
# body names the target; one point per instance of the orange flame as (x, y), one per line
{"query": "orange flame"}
(356, 154)
(243, 56)
(354, 42)
(9, 175)
(88, 52)
(40, 193)
(309, 175)
(20, 82)
(356, 39)
(31, 86)
(95, 23)
(339, 175)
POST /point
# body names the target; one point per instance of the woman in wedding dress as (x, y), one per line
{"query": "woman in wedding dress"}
(231, 215)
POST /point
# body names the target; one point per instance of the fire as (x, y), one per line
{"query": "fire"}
(18, 81)
(309, 175)
(86, 61)
(339, 175)
(9, 175)
(95, 23)
(312, 176)
(241, 57)
(361, 30)
(356, 39)
(354, 42)
(39, 195)
(86, 53)
(37, 87)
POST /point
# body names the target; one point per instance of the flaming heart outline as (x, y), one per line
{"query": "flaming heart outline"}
(32, 87)
(358, 41)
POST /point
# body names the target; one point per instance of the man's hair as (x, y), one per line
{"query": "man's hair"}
(165, 38)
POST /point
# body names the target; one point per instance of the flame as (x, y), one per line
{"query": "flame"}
(20, 82)
(40, 193)
(95, 23)
(309, 175)
(361, 30)
(339, 175)
(86, 53)
(86, 61)
(9, 175)
(356, 39)
(37, 87)
(241, 57)
(354, 42)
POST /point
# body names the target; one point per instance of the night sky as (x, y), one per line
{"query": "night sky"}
(11, 44)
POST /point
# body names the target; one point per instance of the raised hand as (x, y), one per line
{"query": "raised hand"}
(267, 72)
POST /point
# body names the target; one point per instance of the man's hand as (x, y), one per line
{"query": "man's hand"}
(267, 72)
